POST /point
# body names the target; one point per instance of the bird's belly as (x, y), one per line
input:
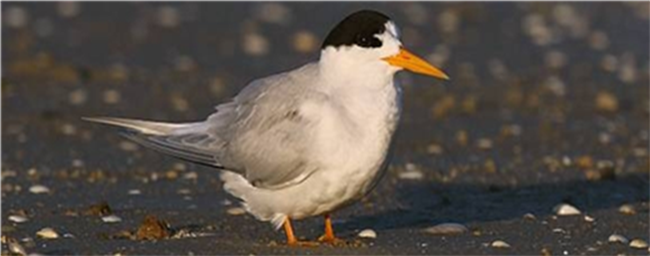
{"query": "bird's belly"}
(351, 166)
(350, 146)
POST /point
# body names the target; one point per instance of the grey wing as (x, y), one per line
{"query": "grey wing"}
(260, 134)
(270, 138)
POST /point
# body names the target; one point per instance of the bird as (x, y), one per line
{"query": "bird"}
(304, 142)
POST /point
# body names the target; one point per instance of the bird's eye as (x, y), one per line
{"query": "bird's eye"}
(368, 41)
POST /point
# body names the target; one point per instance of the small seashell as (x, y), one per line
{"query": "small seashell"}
(190, 176)
(484, 143)
(236, 211)
(39, 189)
(446, 229)
(18, 218)
(111, 219)
(411, 175)
(15, 247)
(412, 172)
(367, 233)
(638, 243)
(134, 192)
(47, 233)
(566, 209)
(627, 209)
(617, 239)
(530, 216)
(589, 218)
(499, 244)
(255, 44)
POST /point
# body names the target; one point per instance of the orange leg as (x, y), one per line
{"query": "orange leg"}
(329, 236)
(291, 238)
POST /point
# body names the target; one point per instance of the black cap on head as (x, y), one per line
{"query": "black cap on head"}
(359, 29)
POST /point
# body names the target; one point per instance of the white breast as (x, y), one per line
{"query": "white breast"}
(354, 134)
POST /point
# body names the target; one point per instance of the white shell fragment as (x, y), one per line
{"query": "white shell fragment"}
(111, 219)
(566, 209)
(15, 247)
(411, 175)
(39, 189)
(412, 172)
(446, 229)
(529, 216)
(627, 209)
(18, 218)
(589, 218)
(367, 233)
(236, 211)
(639, 244)
(615, 238)
(499, 244)
(47, 233)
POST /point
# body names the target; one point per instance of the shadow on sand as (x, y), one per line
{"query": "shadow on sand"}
(429, 204)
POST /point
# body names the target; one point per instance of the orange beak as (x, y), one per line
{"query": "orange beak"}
(409, 61)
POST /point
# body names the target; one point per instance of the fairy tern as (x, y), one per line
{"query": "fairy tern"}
(304, 142)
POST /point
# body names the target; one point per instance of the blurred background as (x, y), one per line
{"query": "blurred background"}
(561, 79)
(540, 93)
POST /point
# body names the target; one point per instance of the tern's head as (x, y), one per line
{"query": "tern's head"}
(370, 38)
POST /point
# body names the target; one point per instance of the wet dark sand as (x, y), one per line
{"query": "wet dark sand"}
(548, 104)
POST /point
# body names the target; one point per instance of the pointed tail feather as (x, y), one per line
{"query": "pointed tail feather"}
(187, 141)
(146, 127)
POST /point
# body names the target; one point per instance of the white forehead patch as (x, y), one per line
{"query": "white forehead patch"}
(392, 29)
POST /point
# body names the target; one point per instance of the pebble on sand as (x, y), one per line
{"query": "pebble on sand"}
(606, 102)
(627, 209)
(255, 44)
(236, 211)
(191, 176)
(367, 233)
(529, 216)
(435, 149)
(615, 238)
(39, 189)
(152, 228)
(111, 219)
(499, 244)
(168, 17)
(412, 172)
(446, 229)
(15, 17)
(15, 247)
(639, 244)
(111, 96)
(484, 143)
(78, 97)
(566, 209)
(275, 13)
(68, 9)
(305, 41)
(47, 233)
(18, 219)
